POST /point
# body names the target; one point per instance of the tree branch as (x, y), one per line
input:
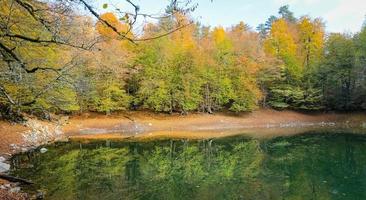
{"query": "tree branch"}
(124, 35)
(93, 12)
(2, 90)
(52, 83)
(29, 8)
(15, 58)
(51, 41)
(164, 34)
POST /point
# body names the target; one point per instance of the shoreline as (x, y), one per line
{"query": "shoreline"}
(144, 125)
(261, 123)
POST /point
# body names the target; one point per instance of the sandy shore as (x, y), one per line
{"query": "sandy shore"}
(143, 125)
(262, 123)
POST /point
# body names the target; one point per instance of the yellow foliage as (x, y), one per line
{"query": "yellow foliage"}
(219, 35)
(282, 44)
(108, 32)
(311, 39)
(184, 37)
(281, 41)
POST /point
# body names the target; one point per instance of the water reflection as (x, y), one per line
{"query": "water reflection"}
(311, 166)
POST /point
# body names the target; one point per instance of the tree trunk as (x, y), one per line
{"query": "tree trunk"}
(208, 99)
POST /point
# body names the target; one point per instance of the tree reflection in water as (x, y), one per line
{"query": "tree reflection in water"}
(311, 166)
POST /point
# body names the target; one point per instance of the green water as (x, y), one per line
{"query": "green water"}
(311, 166)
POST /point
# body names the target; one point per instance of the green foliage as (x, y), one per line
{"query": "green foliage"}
(359, 94)
(342, 72)
(290, 97)
(62, 98)
(285, 13)
(299, 45)
(108, 95)
(178, 76)
(112, 98)
(168, 81)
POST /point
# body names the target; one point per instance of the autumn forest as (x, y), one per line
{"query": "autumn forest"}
(57, 59)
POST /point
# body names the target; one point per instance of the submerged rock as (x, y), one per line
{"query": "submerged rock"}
(4, 167)
(13, 146)
(363, 125)
(14, 190)
(43, 150)
(40, 195)
(40, 133)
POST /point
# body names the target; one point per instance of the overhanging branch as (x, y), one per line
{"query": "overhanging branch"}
(93, 12)
(7, 52)
(124, 35)
(50, 41)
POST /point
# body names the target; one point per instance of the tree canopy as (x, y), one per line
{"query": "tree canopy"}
(54, 59)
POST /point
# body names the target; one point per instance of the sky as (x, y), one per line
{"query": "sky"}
(338, 15)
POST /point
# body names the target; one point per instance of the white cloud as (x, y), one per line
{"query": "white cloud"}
(284, 2)
(340, 15)
(348, 15)
(296, 2)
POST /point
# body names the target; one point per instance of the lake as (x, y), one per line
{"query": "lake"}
(307, 166)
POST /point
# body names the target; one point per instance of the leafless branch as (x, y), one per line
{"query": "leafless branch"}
(136, 9)
(50, 41)
(164, 34)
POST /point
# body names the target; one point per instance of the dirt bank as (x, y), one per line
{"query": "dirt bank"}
(10, 134)
(260, 123)
(144, 125)
(16, 138)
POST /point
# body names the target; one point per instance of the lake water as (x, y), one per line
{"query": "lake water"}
(308, 166)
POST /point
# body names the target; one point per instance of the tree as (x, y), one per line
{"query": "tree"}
(264, 29)
(286, 14)
(298, 44)
(168, 77)
(360, 69)
(31, 45)
(281, 44)
(311, 39)
(249, 58)
(337, 70)
(33, 36)
(311, 49)
(217, 86)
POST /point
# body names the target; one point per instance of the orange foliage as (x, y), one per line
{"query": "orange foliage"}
(184, 37)
(108, 32)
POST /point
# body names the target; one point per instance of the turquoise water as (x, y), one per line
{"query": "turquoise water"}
(309, 166)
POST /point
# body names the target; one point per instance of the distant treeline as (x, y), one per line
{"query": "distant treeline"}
(286, 63)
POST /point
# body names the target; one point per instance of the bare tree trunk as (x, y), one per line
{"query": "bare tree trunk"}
(208, 99)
